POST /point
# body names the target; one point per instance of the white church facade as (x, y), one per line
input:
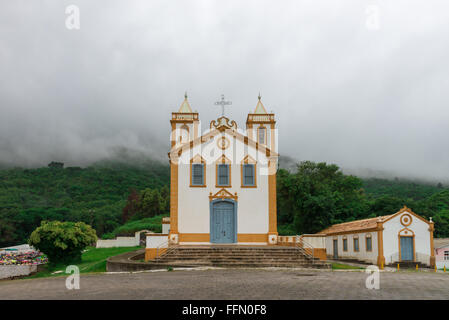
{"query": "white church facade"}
(223, 181)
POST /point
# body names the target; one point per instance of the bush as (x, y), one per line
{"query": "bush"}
(62, 242)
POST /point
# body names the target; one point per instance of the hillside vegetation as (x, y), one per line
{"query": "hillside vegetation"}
(119, 198)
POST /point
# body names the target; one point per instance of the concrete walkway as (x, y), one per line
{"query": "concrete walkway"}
(234, 284)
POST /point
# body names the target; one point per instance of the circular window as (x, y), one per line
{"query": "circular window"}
(406, 220)
(223, 143)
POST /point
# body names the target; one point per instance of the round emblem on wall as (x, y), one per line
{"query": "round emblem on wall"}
(406, 220)
(223, 143)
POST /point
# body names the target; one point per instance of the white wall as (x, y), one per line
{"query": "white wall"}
(193, 203)
(391, 240)
(9, 271)
(118, 242)
(315, 241)
(362, 254)
(166, 228)
(157, 241)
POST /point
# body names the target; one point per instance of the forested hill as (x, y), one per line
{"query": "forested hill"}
(108, 194)
(95, 195)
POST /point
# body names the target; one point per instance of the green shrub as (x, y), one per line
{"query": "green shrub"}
(286, 230)
(153, 224)
(62, 242)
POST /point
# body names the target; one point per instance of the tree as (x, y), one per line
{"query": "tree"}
(62, 242)
(318, 195)
(56, 165)
(150, 203)
(132, 206)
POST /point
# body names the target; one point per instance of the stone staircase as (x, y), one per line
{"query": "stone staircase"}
(239, 257)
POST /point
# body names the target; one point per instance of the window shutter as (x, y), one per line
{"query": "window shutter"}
(198, 177)
(223, 174)
(248, 174)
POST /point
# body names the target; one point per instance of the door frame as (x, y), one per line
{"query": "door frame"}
(211, 210)
(413, 243)
(334, 248)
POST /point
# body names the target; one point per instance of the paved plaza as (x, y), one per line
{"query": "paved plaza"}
(234, 284)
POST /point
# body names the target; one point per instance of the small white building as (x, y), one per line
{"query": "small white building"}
(442, 253)
(403, 236)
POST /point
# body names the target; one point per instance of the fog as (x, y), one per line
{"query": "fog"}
(363, 84)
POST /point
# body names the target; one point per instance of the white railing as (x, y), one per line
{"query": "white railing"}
(419, 257)
(168, 248)
(305, 248)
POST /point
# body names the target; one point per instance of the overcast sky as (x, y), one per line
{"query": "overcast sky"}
(346, 87)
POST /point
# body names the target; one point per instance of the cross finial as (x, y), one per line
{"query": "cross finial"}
(223, 103)
(259, 97)
(185, 95)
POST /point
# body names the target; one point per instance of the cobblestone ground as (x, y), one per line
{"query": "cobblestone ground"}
(234, 284)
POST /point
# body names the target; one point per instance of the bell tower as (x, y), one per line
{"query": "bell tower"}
(261, 126)
(184, 124)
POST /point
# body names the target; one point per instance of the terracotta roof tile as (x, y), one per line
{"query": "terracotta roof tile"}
(358, 225)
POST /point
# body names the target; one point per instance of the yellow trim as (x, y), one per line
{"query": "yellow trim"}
(408, 210)
(223, 194)
(248, 160)
(432, 248)
(252, 237)
(272, 215)
(173, 196)
(198, 159)
(380, 245)
(272, 136)
(241, 237)
(151, 253)
(399, 243)
(406, 215)
(206, 137)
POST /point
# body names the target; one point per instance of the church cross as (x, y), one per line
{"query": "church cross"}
(223, 103)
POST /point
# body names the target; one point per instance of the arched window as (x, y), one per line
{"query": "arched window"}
(184, 134)
(262, 135)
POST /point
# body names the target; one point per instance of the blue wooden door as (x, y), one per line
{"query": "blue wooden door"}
(406, 249)
(223, 222)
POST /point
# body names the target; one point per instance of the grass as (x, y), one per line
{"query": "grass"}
(92, 260)
(342, 266)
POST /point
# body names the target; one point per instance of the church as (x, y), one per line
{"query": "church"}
(223, 180)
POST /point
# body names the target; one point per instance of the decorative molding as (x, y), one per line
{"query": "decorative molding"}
(223, 123)
(223, 194)
(406, 220)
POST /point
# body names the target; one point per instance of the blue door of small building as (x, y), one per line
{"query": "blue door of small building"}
(406, 249)
(223, 222)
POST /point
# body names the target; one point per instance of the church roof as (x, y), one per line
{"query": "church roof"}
(366, 224)
(441, 242)
(353, 226)
(217, 127)
(185, 106)
(260, 109)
